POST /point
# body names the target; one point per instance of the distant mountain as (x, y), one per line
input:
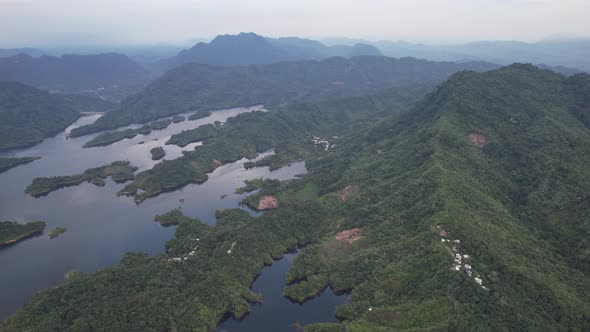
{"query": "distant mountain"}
(250, 48)
(567, 71)
(574, 53)
(333, 41)
(305, 49)
(73, 73)
(28, 115)
(8, 52)
(195, 86)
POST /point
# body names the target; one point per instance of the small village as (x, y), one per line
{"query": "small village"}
(320, 141)
(181, 259)
(460, 259)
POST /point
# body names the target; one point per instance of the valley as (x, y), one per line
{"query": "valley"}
(347, 167)
(370, 213)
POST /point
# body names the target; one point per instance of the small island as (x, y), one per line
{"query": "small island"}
(105, 139)
(8, 163)
(57, 232)
(199, 115)
(120, 171)
(158, 153)
(170, 218)
(178, 118)
(111, 137)
(12, 232)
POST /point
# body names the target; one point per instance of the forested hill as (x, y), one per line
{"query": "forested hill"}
(250, 48)
(195, 86)
(491, 167)
(72, 72)
(28, 115)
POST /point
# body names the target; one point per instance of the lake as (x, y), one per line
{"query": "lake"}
(103, 227)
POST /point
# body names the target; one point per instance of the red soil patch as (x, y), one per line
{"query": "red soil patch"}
(350, 235)
(477, 139)
(216, 163)
(268, 203)
(333, 248)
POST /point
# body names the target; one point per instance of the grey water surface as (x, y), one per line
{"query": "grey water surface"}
(103, 227)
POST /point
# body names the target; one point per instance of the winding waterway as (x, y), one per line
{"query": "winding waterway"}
(103, 227)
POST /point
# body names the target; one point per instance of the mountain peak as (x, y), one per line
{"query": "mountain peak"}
(242, 36)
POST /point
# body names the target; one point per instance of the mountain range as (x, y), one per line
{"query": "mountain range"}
(466, 212)
(250, 48)
(28, 115)
(197, 86)
(74, 73)
(573, 53)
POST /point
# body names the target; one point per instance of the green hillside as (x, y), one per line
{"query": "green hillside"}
(28, 115)
(497, 161)
(290, 130)
(203, 87)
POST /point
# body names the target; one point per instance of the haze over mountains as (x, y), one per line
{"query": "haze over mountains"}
(570, 53)
(28, 115)
(429, 174)
(195, 86)
(250, 48)
(73, 73)
(117, 76)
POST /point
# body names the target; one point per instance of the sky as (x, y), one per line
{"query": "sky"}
(102, 22)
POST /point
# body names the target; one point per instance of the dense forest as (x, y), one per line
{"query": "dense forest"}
(119, 171)
(75, 73)
(12, 232)
(28, 115)
(467, 212)
(203, 87)
(111, 137)
(290, 130)
(8, 163)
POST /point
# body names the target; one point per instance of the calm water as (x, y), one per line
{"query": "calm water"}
(103, 227)
(278, 313)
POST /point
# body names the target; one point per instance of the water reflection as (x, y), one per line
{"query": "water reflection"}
(278, 313)
(102, 227)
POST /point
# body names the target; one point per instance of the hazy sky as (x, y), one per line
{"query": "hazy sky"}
(47, 22)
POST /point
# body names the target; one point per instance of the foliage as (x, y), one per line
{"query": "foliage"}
(57, 232)
(158, 153)
(203, 87)
(199, 115)
(120, 171)
(73, 72)
(518, 204)
(12, 232)
(288, 130)
(28, 115)
(109, 138)
(173, 217)
(8, 163)
(178, 118)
